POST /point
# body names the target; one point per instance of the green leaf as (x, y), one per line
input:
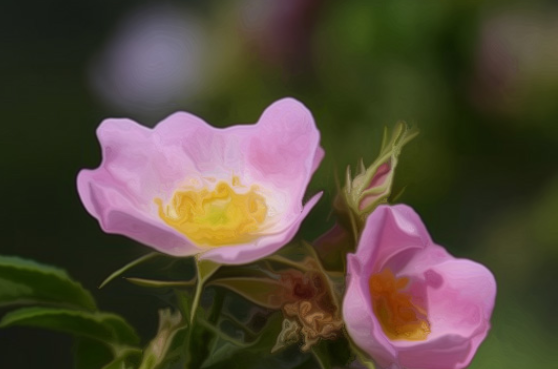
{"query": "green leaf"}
(128, 266)
(93, 354)
(123, 331)
(104, 327)
(28, 282)
(263, 292)
(128, 359)
(228, 353)
(332, 353)
(251, 271)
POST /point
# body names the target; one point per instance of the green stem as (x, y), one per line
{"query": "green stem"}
(318, 359)
(196, 301)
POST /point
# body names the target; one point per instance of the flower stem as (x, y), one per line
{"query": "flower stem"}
(196, 301)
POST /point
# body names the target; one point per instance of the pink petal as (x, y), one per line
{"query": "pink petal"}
(460, 300)
(285, 151)
(390, 231)
(361, 324)
(118, 215)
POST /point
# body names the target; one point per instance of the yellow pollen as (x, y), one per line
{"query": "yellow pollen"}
(215, 218)
(399, 316)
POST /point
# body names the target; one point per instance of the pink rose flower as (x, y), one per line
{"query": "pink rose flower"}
(409, 304)
(233, 195)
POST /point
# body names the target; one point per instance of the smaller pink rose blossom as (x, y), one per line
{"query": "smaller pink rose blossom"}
(409, 304)
(233, 195)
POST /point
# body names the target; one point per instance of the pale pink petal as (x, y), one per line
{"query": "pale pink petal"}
(460, 298)
(318, 157)
(139, 161)
(211, 151)
(119, 215)
(390, 231)
(285, 150)
(362, 326)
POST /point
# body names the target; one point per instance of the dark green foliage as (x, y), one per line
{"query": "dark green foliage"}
(27, 282)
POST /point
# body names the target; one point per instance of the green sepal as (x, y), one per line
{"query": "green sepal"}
(227, 352)
(25, 282)
(128, 266)
(263, 292)
(151, 283)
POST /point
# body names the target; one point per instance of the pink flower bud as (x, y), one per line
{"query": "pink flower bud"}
(373, 185)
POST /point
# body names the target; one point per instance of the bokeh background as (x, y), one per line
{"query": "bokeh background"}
(479, 78)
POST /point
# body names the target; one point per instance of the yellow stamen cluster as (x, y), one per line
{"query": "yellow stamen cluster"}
(399, 316)
(215, 217)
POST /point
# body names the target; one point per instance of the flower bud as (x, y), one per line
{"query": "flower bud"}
(373, 185)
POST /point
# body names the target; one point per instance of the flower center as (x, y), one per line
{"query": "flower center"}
(215, 218)
(399, 316)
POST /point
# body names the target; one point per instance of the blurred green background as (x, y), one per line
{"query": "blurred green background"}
(480, 80)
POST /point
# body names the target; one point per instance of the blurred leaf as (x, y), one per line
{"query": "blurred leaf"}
(123, 331)
(128, 266)
(28, 282)
(108, 328)
(264, 292)
(126, 361)
(362, 358)
(91, 354)
(227, 352)
(333, 353)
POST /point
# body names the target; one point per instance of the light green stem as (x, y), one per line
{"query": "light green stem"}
(197, 295)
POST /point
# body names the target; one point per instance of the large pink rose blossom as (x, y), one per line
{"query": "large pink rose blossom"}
(233, 195)
(409, 304)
